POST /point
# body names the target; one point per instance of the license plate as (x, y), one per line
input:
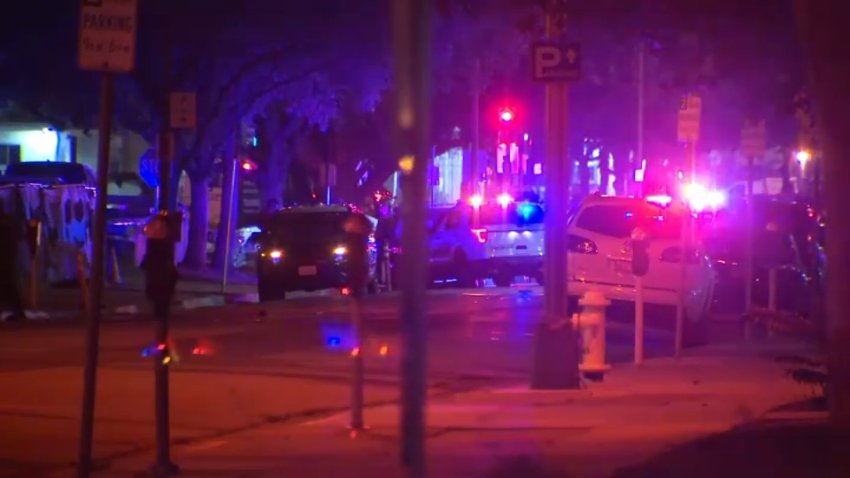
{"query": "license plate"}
(307, 271)
(622, 267)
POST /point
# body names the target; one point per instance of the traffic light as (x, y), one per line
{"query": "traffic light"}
(247, 165)
(506, 115)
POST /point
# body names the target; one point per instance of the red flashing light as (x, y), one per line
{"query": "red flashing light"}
(506, 115)
(248, 165)
(480, 235)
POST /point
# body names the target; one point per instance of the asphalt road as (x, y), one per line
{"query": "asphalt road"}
(240, 366)
(475, 335)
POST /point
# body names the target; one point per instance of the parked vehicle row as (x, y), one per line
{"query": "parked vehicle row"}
(502, 239)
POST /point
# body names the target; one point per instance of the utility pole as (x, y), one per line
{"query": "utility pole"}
(475, 173)
(555, 360)
(412, 53)
(641, 78)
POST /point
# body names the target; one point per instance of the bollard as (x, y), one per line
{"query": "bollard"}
(591, 325)
(115, 270)
(83, 280)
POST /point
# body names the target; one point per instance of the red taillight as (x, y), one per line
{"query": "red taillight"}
(480, 234)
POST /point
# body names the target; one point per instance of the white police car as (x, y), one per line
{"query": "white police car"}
(499, 239)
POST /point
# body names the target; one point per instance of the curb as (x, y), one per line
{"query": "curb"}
(184, 304)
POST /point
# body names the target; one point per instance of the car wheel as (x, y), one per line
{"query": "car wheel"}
(269, 291)
(539, 278)
(504, 279)
(463, 272)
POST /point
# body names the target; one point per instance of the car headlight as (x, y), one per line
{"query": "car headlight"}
(275, 255)
(340, 250)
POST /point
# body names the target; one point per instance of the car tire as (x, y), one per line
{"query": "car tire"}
(463, 272)
(504, 279)
(539, 278)
(268, 291)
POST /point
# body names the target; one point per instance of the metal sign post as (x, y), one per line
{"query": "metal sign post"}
(687, 131)
(107, 44)
(753, 145)
(640, 267)
(555, 359)
(234, 174)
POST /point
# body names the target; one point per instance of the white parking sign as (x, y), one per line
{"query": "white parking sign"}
(107, 35)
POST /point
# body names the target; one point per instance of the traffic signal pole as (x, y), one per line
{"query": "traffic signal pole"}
(412, 54)
(555, 359)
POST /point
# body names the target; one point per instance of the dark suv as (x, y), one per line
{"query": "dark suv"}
(305, 248)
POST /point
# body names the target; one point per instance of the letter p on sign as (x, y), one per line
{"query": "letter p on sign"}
(551, 62)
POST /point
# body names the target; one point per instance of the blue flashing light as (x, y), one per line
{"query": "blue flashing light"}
(526, 210)
(334, 341)
(630, 214)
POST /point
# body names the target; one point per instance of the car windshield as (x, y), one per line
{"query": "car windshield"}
(620, 220)
(307, 227)
(516, 213)
(69, 173)
(124, 188)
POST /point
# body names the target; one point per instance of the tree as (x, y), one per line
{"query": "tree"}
(824, 26)
(255, 59)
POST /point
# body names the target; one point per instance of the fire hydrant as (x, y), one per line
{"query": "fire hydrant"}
(591, 325)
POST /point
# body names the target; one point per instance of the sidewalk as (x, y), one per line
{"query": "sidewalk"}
(635, 414)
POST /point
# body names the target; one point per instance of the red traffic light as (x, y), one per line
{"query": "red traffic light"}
(506, 115)
(248, 165)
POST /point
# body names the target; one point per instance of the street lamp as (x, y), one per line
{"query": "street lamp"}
(803, 157)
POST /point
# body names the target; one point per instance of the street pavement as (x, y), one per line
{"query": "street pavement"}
(243, 373)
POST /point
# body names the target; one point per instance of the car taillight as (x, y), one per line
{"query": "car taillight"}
(581, 245)
(480, 235)
(674, 254)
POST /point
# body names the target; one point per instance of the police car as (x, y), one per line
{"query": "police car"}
(500, 239)
(305, 248)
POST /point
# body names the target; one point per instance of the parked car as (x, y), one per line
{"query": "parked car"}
(775, 248)
(129, 196)
(600, 256)
(496, 240)
(304, 248)
(50, 173)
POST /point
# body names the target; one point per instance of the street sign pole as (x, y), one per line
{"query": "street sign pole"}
(684, 256)
(555, 357)
(107, 44)
(412, 54)
(84, 462)
(753, 145)
(687, 131)
(234, 175)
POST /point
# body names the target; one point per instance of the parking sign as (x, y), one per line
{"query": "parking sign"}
(107, 35)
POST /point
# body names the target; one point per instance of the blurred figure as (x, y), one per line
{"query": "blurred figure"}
(272, 206)
(10, 236)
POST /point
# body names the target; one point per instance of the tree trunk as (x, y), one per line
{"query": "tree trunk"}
(196, 252)
(228, 207)
(824, 27)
